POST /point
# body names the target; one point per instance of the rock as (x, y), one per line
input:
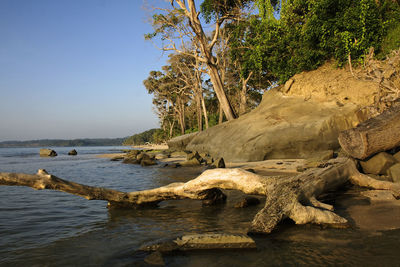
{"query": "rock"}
(219, 163)
(378, 164)
(193, 155)
(144, 156)
(394, 173)
(378, 195)
(178, 154)
(180, 142)
(130, 161)
(148, 162)
(214, 197)
(161, 156)
(247, 201)
(281, 127)
(45, 152)
(73, 152)
(155, 259)
(133, 153)
(397, 156)
(190, 163)
(202, 242)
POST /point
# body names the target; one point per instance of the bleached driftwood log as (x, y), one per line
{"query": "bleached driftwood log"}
(290, 197)
(374, 135)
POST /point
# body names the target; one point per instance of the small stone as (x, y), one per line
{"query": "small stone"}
(378, 164)
(73, 152)
(247, 201)
(130, 161)
(161, 156)
(45, 152)
(394, 173)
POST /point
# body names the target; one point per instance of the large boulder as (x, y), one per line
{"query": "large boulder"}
(45, 152)
(280, 127)
(179, 143)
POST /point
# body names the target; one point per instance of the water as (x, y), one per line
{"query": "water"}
(49, 228)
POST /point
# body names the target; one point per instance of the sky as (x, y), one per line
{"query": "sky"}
(75, 69)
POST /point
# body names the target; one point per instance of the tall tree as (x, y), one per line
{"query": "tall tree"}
(183, 23)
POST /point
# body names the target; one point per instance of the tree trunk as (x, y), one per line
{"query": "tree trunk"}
(203, 104)
(220, 92)
(220, 115)
(374, 135)
(287, 197)
(243, 94)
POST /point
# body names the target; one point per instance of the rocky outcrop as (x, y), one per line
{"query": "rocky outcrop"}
(45, 152)
(179, 143)
(281, 126)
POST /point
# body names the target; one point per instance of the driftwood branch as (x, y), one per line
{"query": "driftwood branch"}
(290, 197)
(374, 135)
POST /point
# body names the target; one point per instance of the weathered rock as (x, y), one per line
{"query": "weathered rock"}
(204, 241)
(394, 173)
(45, 152)
(378, 164)
(143, 156)
(193, 155)
(280, 127)
(161, 156)
(73, 152)
(180, 142)
(215, 197)
(148, 162)
(218, 163)
(133, 153)
(178, 154)
(192, 162)
(397, 156)
(247, 201)
(130, 161)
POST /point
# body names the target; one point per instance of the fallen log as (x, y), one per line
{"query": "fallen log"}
(375, 135)
(289, 197)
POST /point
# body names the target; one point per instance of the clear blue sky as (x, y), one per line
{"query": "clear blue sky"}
(74, 69)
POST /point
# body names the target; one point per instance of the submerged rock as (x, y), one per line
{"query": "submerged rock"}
(45, 152)
(204, 241)
(247, 202)
(73, 152)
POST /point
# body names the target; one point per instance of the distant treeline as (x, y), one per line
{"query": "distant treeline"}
(153, 136)
(63, 143)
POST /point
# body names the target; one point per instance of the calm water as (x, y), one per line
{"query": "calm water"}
(49, 228)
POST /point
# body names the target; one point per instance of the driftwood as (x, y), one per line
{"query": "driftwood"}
(374, 135)
(290, 197)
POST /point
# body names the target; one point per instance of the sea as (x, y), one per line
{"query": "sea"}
(51, 228)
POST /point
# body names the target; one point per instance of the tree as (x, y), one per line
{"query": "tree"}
(183, 23)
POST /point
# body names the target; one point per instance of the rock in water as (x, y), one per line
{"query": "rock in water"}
(73, 152)
(378, 164)
(247, 201)
(45, 152)
(204, 241)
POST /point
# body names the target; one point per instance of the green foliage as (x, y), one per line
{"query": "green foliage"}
(154, 136)
(309, 32)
